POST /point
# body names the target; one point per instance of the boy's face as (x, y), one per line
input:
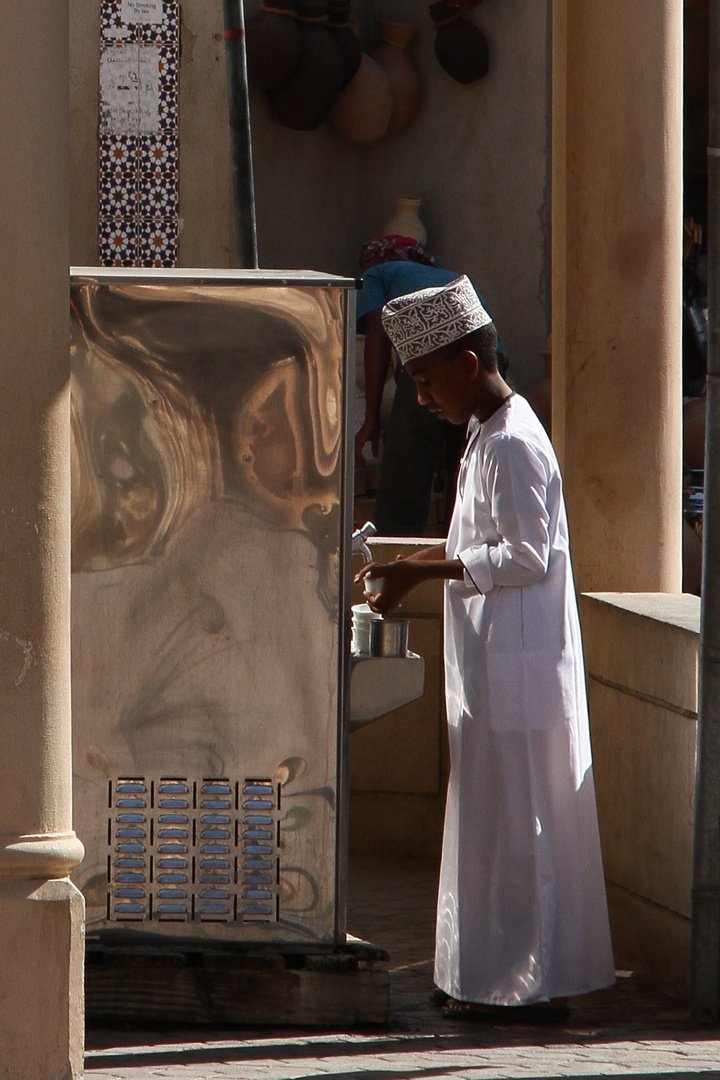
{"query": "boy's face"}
(446, 386)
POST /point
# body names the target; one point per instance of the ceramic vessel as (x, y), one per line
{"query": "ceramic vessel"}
(460, 46)
(405, 220)
(304, 100)
(273, 44)
(362, 111)
(344, 36)
(393, 56)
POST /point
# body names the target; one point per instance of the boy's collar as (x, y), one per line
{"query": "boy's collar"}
(495, 409)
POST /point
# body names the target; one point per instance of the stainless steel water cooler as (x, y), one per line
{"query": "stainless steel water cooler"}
(211, 575)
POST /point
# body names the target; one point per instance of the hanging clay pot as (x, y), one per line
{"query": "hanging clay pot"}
(303, 102)
(344, 36)
(362, 111)
(460, 46)
(405, 220)
(393, 56)
(273, 44)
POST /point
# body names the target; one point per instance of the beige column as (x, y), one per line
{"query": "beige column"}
(41, 912)
(617, 261)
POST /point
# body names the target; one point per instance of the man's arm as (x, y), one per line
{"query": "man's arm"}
(378, 354)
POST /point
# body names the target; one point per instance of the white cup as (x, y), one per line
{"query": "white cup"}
(373, 585)
(362, 611)
(361, 640)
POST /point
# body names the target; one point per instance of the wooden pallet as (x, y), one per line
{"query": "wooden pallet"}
(158, 985)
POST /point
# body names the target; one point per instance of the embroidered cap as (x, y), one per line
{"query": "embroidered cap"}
(423, 321)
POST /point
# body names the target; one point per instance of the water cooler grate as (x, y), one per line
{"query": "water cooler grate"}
(188, 850)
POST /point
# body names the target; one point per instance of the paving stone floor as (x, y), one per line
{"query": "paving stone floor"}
(629, 1030)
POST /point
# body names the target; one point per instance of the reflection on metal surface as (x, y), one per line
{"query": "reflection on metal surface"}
(186, 395)
(207, 525)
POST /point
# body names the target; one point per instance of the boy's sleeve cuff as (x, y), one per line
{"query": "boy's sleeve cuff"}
(476, 568)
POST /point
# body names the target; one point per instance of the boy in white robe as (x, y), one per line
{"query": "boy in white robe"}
(522, 919)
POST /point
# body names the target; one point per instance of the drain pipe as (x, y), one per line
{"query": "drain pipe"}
(240, 141)
(705, 948)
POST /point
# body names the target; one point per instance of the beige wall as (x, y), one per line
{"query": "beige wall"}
(476, 154)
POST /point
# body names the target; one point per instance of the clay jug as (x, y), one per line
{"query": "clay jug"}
(460, 46)
(344, 36)
(405, 221)
(273, 44)
(305, 99)
(393, 56)
(362, 110)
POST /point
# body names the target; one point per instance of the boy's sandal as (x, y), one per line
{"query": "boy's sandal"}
(542, 1013)
(438, 996)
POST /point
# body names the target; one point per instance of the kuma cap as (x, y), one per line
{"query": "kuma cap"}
(423, 321)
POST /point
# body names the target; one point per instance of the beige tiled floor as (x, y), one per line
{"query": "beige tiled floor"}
(393, 905)
(629, 1030)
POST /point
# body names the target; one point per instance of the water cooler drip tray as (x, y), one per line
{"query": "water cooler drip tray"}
(379, 684)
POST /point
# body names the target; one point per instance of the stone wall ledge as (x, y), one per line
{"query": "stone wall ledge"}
(677, 609)
(641, 657)
(644, 644)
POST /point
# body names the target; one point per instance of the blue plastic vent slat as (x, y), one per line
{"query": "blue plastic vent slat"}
(197, 838)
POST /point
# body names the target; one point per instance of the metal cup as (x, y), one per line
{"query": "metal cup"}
(389, 637)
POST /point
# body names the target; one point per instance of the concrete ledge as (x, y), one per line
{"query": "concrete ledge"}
(659, 634)
(645, 778)
(650, 939)
(641, 652)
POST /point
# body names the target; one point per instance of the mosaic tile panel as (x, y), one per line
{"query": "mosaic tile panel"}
(138, 194)
(117, 23)
(156, 241)
(117, 241)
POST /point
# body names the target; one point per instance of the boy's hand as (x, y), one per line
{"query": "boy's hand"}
(398, 578)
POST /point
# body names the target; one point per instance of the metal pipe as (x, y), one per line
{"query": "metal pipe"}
(705, 946)
(240, 140)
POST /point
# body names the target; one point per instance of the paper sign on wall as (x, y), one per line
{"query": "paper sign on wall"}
(142, 11)
(130, 89)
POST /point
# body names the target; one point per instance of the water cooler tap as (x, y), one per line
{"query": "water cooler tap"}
(359, 541)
